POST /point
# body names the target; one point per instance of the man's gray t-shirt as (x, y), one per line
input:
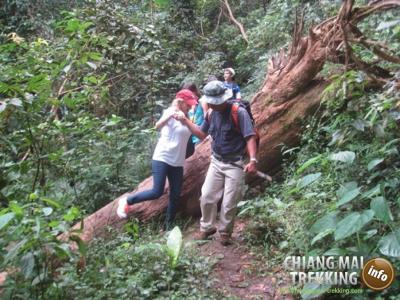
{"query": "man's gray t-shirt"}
(227, 141)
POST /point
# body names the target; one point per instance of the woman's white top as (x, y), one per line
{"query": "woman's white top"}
(171, 146)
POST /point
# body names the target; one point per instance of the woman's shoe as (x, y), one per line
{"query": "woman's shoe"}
(122, 210)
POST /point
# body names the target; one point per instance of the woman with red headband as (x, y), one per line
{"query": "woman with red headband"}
(168, 158)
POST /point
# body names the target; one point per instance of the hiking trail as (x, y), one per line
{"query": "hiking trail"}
(237, 272)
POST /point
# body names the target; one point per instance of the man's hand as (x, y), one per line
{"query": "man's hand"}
(251, 167)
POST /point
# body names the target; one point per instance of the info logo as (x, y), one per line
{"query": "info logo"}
(378, 274)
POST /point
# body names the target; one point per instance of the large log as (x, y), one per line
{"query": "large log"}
(289, 94)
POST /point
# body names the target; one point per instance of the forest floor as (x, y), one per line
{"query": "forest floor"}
(238, 272)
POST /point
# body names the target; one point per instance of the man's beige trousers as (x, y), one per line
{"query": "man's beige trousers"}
(222, 180)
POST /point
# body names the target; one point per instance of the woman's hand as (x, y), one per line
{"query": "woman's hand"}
(179, 115)
(165, 118)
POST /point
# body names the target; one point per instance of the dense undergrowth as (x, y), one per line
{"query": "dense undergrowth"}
(341, 192)
(81, 85)
(135, 264)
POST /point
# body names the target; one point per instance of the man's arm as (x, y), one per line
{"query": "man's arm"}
(251, 145)
(193, 128)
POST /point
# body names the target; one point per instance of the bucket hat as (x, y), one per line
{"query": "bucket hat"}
(216, 93)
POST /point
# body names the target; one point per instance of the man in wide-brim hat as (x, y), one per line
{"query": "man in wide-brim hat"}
(225, 176)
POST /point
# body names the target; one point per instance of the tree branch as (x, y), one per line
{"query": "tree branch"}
(233, 19)
(218, 20)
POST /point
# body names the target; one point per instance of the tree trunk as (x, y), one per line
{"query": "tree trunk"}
(288, 96)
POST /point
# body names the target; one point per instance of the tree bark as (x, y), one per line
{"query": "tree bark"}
(289, 94)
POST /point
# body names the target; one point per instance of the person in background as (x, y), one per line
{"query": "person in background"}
(229, 83)
(197, 112)
(168, 158)
(225, 176)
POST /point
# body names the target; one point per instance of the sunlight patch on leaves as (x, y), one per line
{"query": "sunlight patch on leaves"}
(343, 156)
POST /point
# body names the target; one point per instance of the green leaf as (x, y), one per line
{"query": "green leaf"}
(37, 82)
(3, 106)
(348, 186)
(372, 164)
(348, 196)
(51, 202)
(242, 203)
(321, 235)
(15, 208)
(81, 244)
(174, 245)
(162, 3)
(47, 211)
(328, 221)
(360, 124)
(313, 290)
(27, 264)
(343, 156)
(69, 102)
(72, 214)
(91, 79)
(5, 219)
(92, 65)
(308, 179)
(352, 224)
(335, 252)
(372, 192)
(308, 163)
(369, 234)
(38, 227)
(390, 245)
(16, 102)
(38, 279)
(4, 88)
(33, 196)
(95, 56)
(63, 251)
(73, 25)
(67, 68)
(53, 223)
(15, 249)
(283, 245)
(381, 209)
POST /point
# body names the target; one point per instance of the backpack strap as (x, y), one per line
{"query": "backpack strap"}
(235, 115)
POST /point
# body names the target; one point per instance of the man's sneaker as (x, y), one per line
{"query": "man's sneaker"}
(226, 239)
(203, 235)
(122, 210)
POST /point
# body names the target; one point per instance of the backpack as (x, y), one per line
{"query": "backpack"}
(235, 104)
(189, 148)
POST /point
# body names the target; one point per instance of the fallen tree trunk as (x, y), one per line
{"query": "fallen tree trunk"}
(289, 94)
